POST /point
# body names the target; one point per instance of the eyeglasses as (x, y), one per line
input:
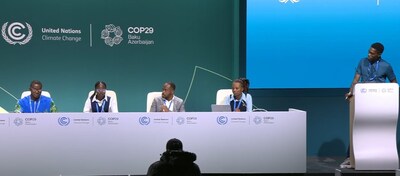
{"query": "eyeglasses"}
(101, 90)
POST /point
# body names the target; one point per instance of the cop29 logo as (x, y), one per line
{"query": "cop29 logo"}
(18, 121)
(112, 35)
(101, 120)
(16, 32)
(180, 120)
(257, 120)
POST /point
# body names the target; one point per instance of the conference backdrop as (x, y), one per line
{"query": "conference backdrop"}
(134, 46)
(317, 44)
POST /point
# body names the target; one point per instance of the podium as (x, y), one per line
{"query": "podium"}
(373, 122)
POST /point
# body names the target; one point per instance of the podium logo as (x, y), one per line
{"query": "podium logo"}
(18, 121)
(363, 90)
(222, 120)
(112, 35)
(144, 120)
(16, 33)
(63, 121)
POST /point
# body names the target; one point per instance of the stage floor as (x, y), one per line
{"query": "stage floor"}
(321, 166)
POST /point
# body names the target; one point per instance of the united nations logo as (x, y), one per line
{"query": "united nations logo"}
(285, 1)
(18, 121)
(363, 90)
(101, 121)
(106, 35)
(222, 120)
(144, 120)
(16, 33)
(180, 120)
(257, 120)
(63, 121)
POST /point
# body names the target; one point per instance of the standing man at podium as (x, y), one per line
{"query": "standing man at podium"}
(372, 69)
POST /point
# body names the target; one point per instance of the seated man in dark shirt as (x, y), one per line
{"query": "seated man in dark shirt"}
(175, 162)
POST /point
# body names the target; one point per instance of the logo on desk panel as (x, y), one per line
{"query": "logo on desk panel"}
(16, 33)
(222, 120)
(257, 120)
(101, 120)
(180, 120)
(144, 120)
(3, 122)
(112, 35)
(64, 121)
(18, 121)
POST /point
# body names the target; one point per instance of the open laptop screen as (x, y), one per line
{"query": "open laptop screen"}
(220, 108)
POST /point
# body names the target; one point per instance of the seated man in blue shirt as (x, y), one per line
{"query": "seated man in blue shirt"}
(35, 102)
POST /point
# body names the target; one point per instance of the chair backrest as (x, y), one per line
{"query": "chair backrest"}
(221, 94)
(27, 93)
(110, 93)
(2, 110)
(150, 98)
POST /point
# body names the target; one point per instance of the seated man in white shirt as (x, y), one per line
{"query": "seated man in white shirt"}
(167, 102)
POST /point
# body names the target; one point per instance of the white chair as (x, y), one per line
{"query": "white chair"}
(27, 93)
(150, 98)
(221, 94)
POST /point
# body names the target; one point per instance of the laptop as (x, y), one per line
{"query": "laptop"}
(220, 108)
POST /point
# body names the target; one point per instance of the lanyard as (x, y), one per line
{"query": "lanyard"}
(376, 70)
(165, 103)
(33, 109)
(102, 106)
(234, 103)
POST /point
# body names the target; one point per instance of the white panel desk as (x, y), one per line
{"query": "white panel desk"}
(127, 143)
(376, 111)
